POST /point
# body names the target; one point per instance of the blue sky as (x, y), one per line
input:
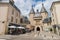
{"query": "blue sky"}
(39, 0)
(25, 5)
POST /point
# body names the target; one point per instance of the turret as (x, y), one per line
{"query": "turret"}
(43, 12)
(43, 9)
(32, 11)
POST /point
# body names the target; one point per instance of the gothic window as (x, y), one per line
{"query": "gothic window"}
(12, 11)
(21, 20)
(52, 14)
(53, 20)
(11, 19)
(16, 14)
(16, 20)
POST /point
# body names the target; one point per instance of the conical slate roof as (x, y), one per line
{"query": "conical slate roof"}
(32, 11)
(43, 9)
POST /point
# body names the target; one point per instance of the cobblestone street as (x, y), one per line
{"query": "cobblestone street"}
(31, 36)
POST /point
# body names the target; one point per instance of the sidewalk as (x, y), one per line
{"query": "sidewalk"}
(6, 37)
(3, 39)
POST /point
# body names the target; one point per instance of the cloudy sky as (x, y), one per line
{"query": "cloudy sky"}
(25, 5)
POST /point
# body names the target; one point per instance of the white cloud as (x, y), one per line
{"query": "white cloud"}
(47, 5)
(14, 0)
(25, 5)
(38, 7)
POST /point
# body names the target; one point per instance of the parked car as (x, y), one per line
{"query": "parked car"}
(13, 30)
(21, 30)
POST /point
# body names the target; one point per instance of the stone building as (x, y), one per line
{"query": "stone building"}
(9, 15)
(24, 21)
(55, 9)
(40, 19)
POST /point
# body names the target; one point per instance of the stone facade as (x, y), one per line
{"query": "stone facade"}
(9, 15)
(39, 19)
(55, 9)
(24, 21)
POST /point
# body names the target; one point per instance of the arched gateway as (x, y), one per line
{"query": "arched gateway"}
(37, 29)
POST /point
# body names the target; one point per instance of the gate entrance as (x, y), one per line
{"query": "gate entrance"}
(38, 29)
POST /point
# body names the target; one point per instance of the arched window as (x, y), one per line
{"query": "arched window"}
(12, 12)
(21, 20)
(38, 29)
(11, 19)
(16, 20)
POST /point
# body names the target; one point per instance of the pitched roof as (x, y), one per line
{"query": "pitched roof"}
(43, 8)
(11, 2)
(54, 3)
(32, 11)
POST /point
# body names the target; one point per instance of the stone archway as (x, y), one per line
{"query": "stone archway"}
(38, 29)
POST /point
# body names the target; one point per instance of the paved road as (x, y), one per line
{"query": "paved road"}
(31, 36)
(26, 37)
